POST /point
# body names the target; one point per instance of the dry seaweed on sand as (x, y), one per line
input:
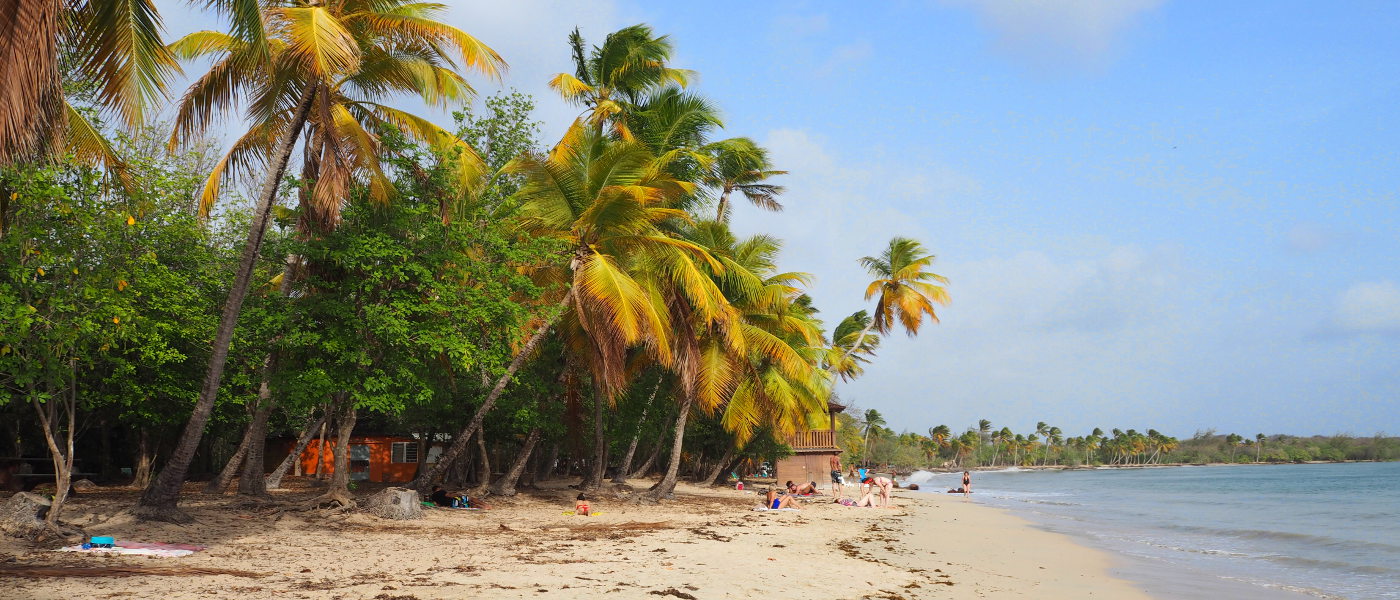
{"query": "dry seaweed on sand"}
(117, 571)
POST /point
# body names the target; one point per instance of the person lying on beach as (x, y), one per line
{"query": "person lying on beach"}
(581, 505)
(440, 497)
(806, 489)
(775, 501)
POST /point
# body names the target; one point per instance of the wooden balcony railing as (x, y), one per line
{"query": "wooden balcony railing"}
(817, 438)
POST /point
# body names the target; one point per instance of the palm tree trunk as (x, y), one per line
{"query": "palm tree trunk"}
(459, 443)
(219, 483)
(599, 468)
(505, 486)
(713, 478)
(274, 480)
(723, 206)
(668, 481)
(626, 465)
(859, 340)
(159, 500)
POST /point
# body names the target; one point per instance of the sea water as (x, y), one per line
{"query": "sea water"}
(1256, 531)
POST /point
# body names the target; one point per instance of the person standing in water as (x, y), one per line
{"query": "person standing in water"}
(967, 484)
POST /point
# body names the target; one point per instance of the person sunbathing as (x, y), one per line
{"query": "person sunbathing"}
(581, 505)
(776, 501)
(806, 489)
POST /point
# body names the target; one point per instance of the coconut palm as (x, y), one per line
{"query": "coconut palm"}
(760, 371)
(114, 46)
(740, 165)
(852, 346)
(611, 79)
(940, 435)
(906, 293)
(295, 63)
(873, 421)
(1258, 446)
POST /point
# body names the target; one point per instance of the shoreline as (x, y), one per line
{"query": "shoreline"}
(708, 543)
(999, 468)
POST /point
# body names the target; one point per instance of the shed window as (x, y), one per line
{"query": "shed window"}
(404, 452)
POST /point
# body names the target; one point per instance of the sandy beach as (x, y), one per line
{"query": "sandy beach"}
(707, 544)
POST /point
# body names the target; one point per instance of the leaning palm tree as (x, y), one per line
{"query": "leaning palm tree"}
(852, 346)
(604, 199)
(906, 291)
(740, 165)
(288, 60)
(115, 47)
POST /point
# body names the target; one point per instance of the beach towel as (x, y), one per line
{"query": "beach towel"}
(766, 509)
(140, 549)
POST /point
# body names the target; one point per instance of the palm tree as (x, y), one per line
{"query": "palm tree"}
(288, 59)
(852, 346)
(904, 288)
(1233, 441)
(112, 49)
(984, 430)
(940, 434)
(738, 164)
(873, 421)
(610, 80)
(1258, 446)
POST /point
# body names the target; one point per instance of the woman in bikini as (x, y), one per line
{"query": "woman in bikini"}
(776, 501)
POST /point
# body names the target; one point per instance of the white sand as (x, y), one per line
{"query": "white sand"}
(708, 544)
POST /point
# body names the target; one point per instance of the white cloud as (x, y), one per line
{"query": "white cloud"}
(1050, 32)
(846, 56)
(1308, 237)
(1369, 307)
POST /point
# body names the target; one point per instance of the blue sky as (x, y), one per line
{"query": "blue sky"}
(1177, 215)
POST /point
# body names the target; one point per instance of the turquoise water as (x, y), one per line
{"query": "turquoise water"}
(1266, 531)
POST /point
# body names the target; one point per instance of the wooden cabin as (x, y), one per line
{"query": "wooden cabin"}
(812, 452)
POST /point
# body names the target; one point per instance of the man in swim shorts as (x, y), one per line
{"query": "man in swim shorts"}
(836, 476)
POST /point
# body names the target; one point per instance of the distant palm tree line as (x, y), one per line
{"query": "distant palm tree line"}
(1046, 445)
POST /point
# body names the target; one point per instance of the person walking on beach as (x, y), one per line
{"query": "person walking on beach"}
(967, 484)
(836, 490)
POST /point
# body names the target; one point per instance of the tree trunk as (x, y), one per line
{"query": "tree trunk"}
(483, 476)
(505, 486)
(145, 456)
(253, 482)
(626, 466)
(274, 480)
(723, 207)
(718, 471)
(668, 481)
(459, 443)
(339, 489)
(159, 500)
(545, 472)
(599, 468)
(651, 460)
(220, 483)
(321, 444)
(859, 340)
(62, 456)
(425, 443)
